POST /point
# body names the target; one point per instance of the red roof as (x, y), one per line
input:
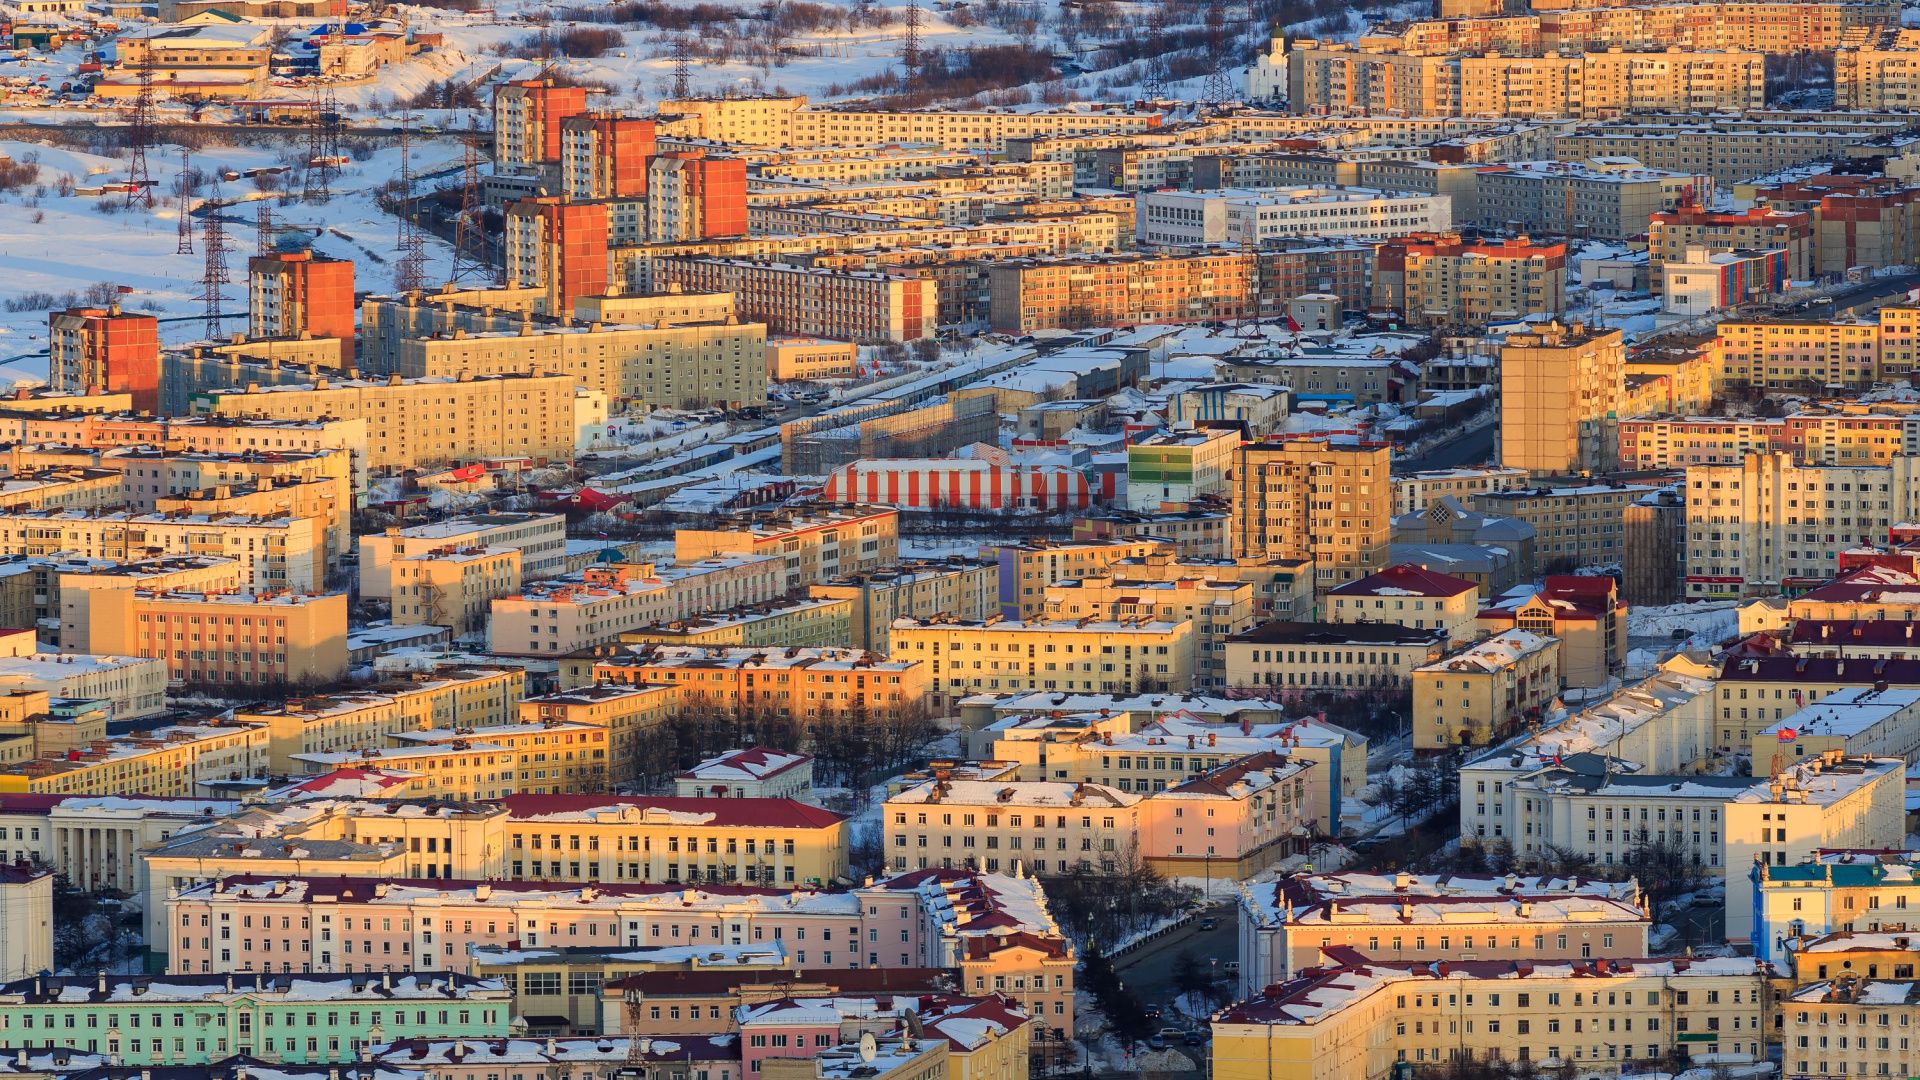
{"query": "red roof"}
(709, 981)
(360, 890)
(1405, 578)
(741, 813)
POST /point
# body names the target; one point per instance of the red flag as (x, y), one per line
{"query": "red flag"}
(1292, 326)
(1787, 734)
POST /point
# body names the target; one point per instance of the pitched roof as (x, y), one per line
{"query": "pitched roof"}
(1405, 579)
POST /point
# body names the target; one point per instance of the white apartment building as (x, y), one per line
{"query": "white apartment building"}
(1251, 216)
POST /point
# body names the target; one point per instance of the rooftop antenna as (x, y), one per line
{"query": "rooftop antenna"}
(213, 241)
(140, 131)
(183, 243)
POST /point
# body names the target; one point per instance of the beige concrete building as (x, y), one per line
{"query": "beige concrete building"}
(1028, 567)
(1441, 280)
(967, 588)
(810, 358)
(419, 422)
(967, 657)
(454, 587)
(1586, 615)
(1561, 392)
(1215, 608)
(675, 365)
(26, 921)
(848, 305)
(628, 713)
(365, 718)
(816, 546)
(1485, 692)
(1360, 1023)
(238, 642)
(1409, 596)
(1573, 526)
(558, 617)
(784, 123)
(1315, 499)
(1303, 656)
(541, 540)
(275, 553)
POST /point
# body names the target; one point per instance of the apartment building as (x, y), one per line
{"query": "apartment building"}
(529, 118)
(1813, 1018)
(558, 248)
(293, 294)
(1863, 895)
(1844, 353)
(360, 719)
(848, 305)
(1856, 722)
(275, 553)
(479, 764)
(969, 588)
(1230, 216)
(454, 587)
(1729, 149)
(236, 642)
(558, 617)
(105, 350)
(627, 715)
(784, 123)
(807, 683)
(1561, 394)
(1873, 68)
(677, 366)
(1770, 523)
(1606, 200)
(273, 1018)
(1352, 657)
(1845, 436)
(1287, 927)
(787, 621)
(814, 546)
(691, 196)
(1317, 499)
(1215, 608)
(541, 540)
(1410, 596)
(754, 773)
(1364, 1020)
(1672, 233)
(1584, 613)
(1416, 491)
(1110, 657)
(1443, 280)
(171, 761)
(1120, 288)
(1483, 693)
(604, 156)
(1573, 526)
(424, 422)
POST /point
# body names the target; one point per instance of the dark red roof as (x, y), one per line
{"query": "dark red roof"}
(360, 890)
(1817, 632)
(1405, 577)
(980, 946)
(743, 813)
(707, 982)
(1820, 669)
(1224, 777)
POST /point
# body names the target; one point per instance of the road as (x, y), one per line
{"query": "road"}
(1148, 971)
(1472, 448)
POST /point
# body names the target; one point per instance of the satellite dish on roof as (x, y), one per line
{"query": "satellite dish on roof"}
(869, 1049)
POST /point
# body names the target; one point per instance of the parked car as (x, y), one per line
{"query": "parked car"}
(1155, 1042)
(1209, 923)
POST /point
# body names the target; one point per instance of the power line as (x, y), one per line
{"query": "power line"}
(409, 271)
(140, 132)
(262, 227)
(910, 50)
(470, 258)
(682, 67)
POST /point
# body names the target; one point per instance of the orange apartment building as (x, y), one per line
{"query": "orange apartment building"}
(691, 196)
(557, 246)
(846, 305)
(1671, 232)
(603, 156)
(527, 119)
(804, 683)
(1100, 290)
(293, 294)
(106, 350)
(1440, 279)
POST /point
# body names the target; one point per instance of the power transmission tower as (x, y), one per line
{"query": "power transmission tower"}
(213, 241)
(1217, 89)
(183, 243)
(409, 270)
(682, 67)
(262, 227)
(317, 183)
(1153, 86)
(140, 133)
(469, 231)
(910, 50)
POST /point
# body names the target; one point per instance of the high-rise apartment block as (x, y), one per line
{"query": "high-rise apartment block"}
(604, 156)
(1561, 389)
(527, 119)
(559, 247)
(293, 294)
(1671, 232)
(691, 196)
(1318, 499)
(105, 349)
(1442, 279)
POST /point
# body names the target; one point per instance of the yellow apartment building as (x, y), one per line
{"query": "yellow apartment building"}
(454, 587)
(1409, 596)
(484, 763)
(799, 622)
(1360, 1023)
(1215, 609)
(804, 683)
(1485, 692)
(969, 588)
(1562, 389)
(1331, 503)
(358, 720)
(238, 642)
(628, 714)
(168, 762)
(816, 546)
(444, 419)
(1108, 657)
(1028, 567)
